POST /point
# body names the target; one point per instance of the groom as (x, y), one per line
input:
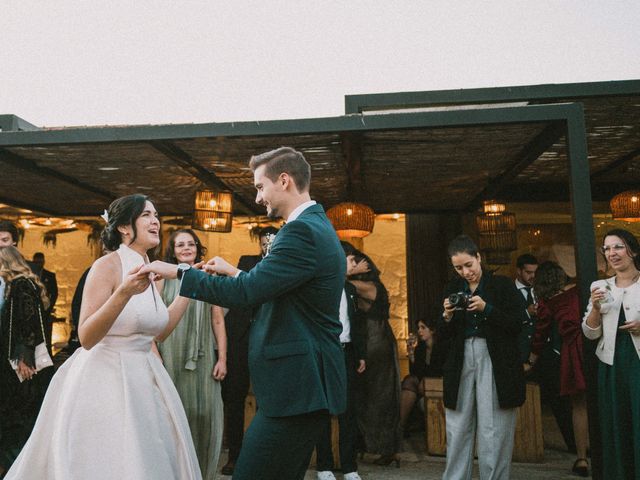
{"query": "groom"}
(295, 356)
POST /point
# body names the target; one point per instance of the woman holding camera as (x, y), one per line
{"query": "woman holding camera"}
(613, 316)
(483, 377)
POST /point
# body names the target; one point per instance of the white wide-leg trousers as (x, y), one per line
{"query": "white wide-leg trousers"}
(478, 406)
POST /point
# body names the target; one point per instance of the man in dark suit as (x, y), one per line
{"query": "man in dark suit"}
(354, 346)
(47, 278)
(295, 357)
(235, 385)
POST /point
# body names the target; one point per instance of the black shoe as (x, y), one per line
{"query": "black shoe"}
(581, 470)
(228, 468)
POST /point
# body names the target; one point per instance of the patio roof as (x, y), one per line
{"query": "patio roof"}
(464, 147)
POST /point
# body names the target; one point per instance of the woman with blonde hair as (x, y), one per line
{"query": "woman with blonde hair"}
(23, 327)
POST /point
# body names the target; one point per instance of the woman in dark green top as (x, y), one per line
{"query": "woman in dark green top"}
(613, 316)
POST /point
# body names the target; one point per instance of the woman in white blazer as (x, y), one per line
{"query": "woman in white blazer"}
(613, 316)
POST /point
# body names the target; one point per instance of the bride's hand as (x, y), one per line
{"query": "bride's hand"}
(136, 281)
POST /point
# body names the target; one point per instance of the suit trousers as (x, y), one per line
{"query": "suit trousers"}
(279, 448)
(235, 388)
(347, 423)
(478, 409)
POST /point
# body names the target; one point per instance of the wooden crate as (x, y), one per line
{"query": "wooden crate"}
(528, 444)
(434, 415)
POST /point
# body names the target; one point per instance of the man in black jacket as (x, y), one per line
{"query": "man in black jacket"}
(235, 385)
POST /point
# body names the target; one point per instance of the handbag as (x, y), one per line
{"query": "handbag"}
(41, 354)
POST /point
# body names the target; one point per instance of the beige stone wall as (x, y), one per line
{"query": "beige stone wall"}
(68, 260)
(71, 256)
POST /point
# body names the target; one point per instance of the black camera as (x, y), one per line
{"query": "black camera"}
(459, 300)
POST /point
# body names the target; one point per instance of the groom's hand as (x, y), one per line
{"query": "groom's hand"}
(161, 270)
(220, 266)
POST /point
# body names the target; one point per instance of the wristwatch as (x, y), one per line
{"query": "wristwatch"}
(182, 267)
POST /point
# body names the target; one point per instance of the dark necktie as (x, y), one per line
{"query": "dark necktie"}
(529, 298)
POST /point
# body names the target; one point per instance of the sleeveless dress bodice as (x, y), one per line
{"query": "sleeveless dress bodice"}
(143, 317)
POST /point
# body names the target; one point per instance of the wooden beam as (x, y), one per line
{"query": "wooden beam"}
(620, 162)
(526, 157)
(28, 165)
(351, 143)
(184, 161)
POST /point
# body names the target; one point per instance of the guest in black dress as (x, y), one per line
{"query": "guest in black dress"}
(23, 321)
(378, 388)
(426, 357)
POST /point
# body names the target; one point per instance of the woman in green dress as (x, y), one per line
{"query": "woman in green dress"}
(613, 316)
(195, 355)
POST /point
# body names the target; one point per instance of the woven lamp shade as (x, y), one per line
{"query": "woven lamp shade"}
(626, 206)
(497, 230)
(352, 220)
(213, 211)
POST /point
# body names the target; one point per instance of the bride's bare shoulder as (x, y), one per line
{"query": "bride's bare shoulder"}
(107, 265)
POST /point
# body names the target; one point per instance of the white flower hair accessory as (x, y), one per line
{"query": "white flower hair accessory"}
(105, 217)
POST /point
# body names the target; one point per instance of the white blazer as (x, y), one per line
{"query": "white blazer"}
(610, 313)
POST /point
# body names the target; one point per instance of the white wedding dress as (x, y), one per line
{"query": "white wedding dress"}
(112, 412)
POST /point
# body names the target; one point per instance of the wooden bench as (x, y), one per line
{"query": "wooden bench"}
(528, 446)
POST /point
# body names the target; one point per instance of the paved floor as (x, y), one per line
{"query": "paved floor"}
(415, 464)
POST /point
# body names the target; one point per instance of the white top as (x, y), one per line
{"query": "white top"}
(345, 336)
(299, 209)
(628, 297)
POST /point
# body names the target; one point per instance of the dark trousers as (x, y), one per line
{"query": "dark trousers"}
(279, 448)
(347, 423)
(547, 374)
(235, 388)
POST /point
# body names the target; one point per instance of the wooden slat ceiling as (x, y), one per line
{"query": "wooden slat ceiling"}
(396, 170)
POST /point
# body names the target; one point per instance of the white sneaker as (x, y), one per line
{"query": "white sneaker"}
(352, 476)
(327, 475)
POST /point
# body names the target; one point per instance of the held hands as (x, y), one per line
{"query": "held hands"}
(532, 309)
(136, 281)
(219, 266)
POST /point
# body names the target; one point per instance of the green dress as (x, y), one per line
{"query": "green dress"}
(619, 402)
(189, 357)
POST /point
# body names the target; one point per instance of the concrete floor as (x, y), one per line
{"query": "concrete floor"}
(415, 464)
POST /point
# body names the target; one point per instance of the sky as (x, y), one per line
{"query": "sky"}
(72, 63)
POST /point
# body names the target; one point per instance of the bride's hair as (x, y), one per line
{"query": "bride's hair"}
(13, 266)
(122, 211)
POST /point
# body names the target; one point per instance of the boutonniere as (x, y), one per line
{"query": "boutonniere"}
(270, 238)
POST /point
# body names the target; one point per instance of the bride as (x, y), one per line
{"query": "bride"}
(111, 411)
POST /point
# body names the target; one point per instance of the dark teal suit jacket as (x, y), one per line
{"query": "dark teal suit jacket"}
(295, 358)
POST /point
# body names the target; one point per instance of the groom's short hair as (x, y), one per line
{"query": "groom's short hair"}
(284, 160)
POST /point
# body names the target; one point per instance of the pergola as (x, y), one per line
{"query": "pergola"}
(415, 152)
(422, 153)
